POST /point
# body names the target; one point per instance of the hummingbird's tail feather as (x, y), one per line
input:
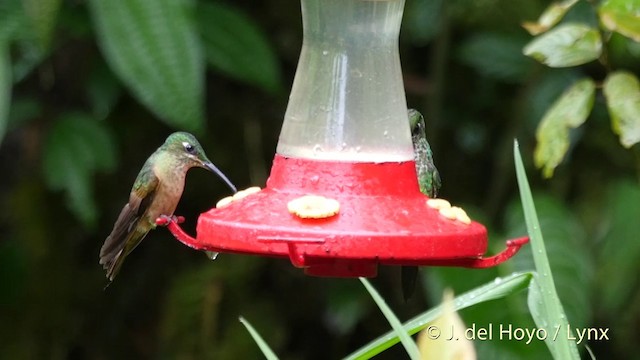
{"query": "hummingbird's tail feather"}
(113, 260)
(127, 233)
(112, 264)
(408, 277)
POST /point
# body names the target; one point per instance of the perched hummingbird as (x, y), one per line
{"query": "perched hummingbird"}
(428, 180)
(155, 194)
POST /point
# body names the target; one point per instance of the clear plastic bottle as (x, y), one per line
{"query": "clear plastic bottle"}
(348, 102)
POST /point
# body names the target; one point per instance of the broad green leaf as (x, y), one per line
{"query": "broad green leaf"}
(153, 47)
(550, 17)
(566, 45)
(266, 350)
(17, 29)
(544, 91)
(6, 84)
(103, 91)
(42, 15)
(497, 56)
(622, 16)
(618, 257)
(235, 45)
(406, 340)
(75, 148)
(622, 90)
(546, 309)
(12, 19)
(499, 288)
(569, 111)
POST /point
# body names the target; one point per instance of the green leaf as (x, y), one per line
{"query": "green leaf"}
(620, 251)
(550, 17)
(266, 350)
(622, 16)
(568, 252)
(622, 91)
(236, 46)
(103, 91)
(406, 340)
(544, 303)
(153, 48)
(497, 56)
(75, 148)
(12, 18)
(499, 288)
(544, 91)
(569, 111)
(17, 30)
(5, 87)
(566, 45)
(42, 15)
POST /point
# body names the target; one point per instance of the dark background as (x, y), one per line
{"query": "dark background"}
(463, 68)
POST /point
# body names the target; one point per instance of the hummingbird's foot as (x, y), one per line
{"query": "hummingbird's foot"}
(164, 220)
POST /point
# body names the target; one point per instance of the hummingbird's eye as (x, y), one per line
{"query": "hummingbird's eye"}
(189, 148)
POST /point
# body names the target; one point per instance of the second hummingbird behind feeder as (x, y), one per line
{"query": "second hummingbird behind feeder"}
(155, 194)
(428, 180)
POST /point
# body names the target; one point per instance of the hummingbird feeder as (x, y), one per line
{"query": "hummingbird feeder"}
(343, 195)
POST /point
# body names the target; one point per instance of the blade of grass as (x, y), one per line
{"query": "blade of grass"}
(408, 343)
(544, 303)
(499, 288)
(266, 350)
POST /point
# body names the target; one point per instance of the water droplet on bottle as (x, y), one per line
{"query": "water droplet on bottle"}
(212, 255)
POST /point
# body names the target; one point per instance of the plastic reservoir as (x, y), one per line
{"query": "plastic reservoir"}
(347, 102)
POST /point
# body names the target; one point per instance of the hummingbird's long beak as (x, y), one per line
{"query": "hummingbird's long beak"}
(215, 170)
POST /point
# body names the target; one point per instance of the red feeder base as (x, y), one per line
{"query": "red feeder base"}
(383, 219)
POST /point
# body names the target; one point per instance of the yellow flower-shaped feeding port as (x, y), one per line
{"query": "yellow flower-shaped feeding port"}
(450, 212)
(237, 196)
(313, 207)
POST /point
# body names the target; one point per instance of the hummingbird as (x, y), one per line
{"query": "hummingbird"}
(428, 180)
(155, 194)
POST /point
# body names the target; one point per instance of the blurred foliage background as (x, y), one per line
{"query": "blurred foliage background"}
(88, 89)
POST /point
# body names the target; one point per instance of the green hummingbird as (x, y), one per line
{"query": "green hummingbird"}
(155, 194)
(428, 180)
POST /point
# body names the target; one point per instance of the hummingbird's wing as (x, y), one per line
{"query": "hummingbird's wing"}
(129, 230)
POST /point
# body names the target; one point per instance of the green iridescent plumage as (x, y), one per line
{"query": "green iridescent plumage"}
(428, 180)
(154, 194)
(428, 175)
